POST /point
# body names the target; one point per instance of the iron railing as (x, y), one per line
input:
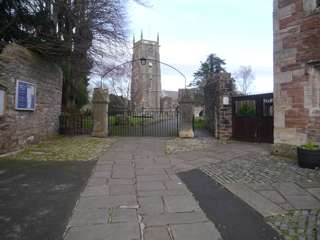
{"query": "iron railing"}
(144, 123)
(75, 124)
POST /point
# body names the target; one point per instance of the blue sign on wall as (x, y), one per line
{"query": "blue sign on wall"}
(25, 96)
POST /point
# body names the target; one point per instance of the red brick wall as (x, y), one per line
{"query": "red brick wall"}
(296, 76)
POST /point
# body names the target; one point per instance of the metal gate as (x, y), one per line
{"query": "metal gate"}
(146, 123)
(252, 118)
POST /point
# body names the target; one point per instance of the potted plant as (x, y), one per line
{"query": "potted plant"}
(309, 155)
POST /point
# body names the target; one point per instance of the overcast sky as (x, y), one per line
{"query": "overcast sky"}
(238, 31)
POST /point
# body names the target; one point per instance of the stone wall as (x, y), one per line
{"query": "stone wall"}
(224, 108)
(218, 114)
(18, 128)
(296, 74)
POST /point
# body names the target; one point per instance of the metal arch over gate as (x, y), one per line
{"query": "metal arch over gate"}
(252, 118)
(145, 123)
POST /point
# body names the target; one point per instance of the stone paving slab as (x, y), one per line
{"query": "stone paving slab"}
(203, 231)
(123, 172)
(150, 186)
(177, 204)
(315, 192)
(123, 216)
(157, 233)
(265, 207)
(175, 192)
(106, 201)
(289, 188)
(152, 178)
(175, 218)
(89, 217)
(106, 232)
(273, 196)
(122, 189)
(99, 190)
(303, 202)
(94, 182)
(151, 205)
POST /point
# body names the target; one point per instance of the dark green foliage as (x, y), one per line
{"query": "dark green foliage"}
(247, 110)
(213, 65)
(311, 146)
(70, 32)
(199, 123)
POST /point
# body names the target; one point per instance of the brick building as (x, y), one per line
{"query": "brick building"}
(296, 73)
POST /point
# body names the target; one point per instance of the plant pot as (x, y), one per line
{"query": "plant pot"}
(308, 158)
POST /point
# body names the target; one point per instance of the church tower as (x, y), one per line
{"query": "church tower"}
(146, 77)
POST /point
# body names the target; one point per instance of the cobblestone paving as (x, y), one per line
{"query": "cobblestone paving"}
(298, 225)
(259, 168)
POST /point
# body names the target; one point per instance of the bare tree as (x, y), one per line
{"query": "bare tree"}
(244, 79)
(74, 33)
(118, 79)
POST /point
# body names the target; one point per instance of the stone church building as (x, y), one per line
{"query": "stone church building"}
(296, 74)
(146, 77)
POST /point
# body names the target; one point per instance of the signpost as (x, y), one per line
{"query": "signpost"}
(25, 96)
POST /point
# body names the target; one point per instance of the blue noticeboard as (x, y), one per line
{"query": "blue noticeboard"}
(25, 96)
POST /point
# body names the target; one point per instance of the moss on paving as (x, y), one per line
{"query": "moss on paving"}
(297, 224)
(178, 145)
(62, 148)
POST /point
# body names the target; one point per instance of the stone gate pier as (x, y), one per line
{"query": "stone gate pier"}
(100, 112)
(186, 115)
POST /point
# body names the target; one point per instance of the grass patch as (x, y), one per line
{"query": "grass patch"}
(62, 148)
(128, 121)
(199, 123)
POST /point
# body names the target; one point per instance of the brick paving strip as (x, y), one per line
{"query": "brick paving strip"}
(133, 194)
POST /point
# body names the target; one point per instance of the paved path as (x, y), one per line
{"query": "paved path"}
(134, 194)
